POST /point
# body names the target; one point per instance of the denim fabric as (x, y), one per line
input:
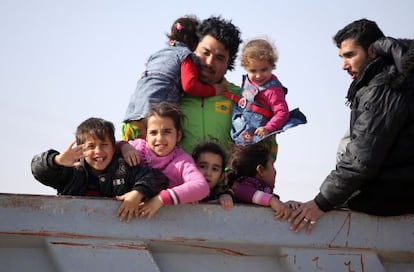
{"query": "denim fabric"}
(244, 123)
(161, 81)
(244, 120)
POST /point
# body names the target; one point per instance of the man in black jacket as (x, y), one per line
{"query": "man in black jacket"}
(92, 168)
(375, 174)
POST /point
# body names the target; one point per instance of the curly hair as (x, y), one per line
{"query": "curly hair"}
(259, 49)
(225, 32)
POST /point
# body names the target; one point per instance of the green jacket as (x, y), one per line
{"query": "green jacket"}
(207, 118)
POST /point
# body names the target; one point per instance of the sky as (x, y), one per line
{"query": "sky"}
(64, 61)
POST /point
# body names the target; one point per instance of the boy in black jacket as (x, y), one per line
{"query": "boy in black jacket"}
(90, 167)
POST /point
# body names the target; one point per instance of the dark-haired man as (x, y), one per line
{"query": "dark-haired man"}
(210, 118)
(375, 174)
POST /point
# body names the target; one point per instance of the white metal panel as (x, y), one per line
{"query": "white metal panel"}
(51, 233)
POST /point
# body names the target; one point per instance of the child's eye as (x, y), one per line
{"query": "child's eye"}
(88, 147)
(201, 166)
(216, 169)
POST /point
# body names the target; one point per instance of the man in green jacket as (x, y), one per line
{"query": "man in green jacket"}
(210, 118)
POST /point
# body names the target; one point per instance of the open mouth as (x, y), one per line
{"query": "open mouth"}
(353, 75)
(99, 159)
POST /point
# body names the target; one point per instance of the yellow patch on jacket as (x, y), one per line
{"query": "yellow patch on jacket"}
(223, 107)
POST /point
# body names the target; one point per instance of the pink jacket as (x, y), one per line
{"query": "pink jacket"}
(274, 98)
(186, 183)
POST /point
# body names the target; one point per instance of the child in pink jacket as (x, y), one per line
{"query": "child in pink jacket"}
(160, 150)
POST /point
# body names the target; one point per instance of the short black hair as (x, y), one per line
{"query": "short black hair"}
(225, 32)
(363, 31)
(97, 127)
(210, 147)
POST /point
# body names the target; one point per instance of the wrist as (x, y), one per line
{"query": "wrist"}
(275, 200)
(322, 203)
(56, 159)
(165, 198)
(119, 145)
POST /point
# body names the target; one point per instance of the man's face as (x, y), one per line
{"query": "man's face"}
(354, 58)
(214, 59)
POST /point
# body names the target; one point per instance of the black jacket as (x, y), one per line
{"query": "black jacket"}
(376, 173)
(118, 179)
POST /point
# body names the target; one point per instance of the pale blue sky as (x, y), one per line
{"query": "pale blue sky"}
(64, 61)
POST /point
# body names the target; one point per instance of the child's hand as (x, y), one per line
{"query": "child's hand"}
(220, 88)
(150, 207)
(226, 202)
(130, 205)
(70, 156)
(281, 209)
(261, 131)
(130, 154)
(293, 205)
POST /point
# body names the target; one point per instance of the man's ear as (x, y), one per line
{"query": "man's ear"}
(371, 52)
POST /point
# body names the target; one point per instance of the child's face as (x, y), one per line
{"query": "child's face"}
(98, 154)
(211, 166)
(162, 136)
(268, 173)
(259, 71)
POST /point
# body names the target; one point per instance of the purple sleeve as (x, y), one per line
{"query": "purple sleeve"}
(246, 192)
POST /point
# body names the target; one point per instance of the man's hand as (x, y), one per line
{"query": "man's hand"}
(306, 215)
(220, 88)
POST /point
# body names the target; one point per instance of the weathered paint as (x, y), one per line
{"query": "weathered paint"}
(55, 233)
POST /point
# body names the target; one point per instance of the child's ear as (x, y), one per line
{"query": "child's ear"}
(179, 136)
(259, 170)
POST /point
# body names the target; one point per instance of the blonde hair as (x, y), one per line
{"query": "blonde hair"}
(259, 49)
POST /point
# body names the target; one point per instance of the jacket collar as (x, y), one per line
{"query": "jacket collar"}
(372, 69)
